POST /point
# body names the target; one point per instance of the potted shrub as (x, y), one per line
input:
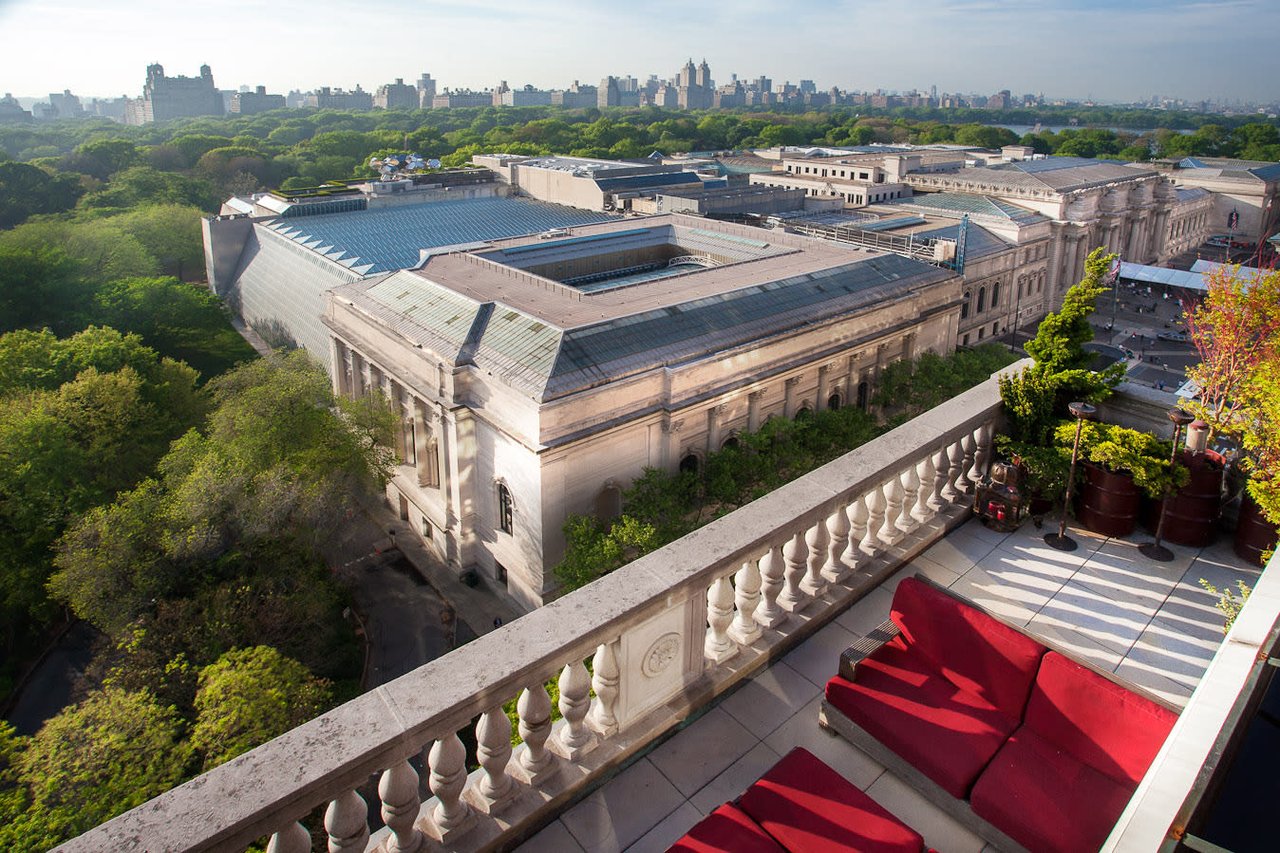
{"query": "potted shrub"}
(1035, 399)
(1236, 331)
(1119, 466)
(1194, 508)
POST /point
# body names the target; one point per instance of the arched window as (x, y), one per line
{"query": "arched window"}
(804, 414)
(506, 509)
(964, 306)
(731, 441)
(864, 392)
(689, 463)
(995, 294)
(982, 299)
(833, 402)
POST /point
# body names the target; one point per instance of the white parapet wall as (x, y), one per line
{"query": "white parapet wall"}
(665, 635)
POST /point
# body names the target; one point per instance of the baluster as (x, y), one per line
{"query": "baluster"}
(347, 823)
(835, 569)
(955, 454)
(910, 483)
(398, 790)
(717, 647)
(575, 739)
(604, 679)
(871, 545)
(447, 761)
(769, 613)
(890, 535)
(815, 539)
(963, 481)
(942, 480)
(534, 710)
(926, 474)
(857, 513)
(294, 838)
(493, 750)
(746, 594)
(981, 455)
(792, 598)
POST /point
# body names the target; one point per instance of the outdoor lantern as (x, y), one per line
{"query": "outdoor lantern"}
(999, 500)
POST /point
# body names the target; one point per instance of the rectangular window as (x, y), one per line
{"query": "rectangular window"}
(505, 509)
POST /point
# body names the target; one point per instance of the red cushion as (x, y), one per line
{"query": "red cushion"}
(807, 806)
(972, 651)
(1045, 799)
(727, 829)
(1112, 729)
(945, 732)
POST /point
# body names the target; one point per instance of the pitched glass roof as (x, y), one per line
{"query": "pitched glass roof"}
(389, 238)
(972, 204)
(609, 350)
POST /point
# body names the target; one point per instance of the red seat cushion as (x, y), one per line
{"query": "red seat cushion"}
(1045, 799)
(726, 829)
(1110, 728)
(807, 806)
(971, 650)
(947, 733)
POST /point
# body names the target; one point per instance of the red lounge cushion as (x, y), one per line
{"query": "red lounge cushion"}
(1045, 799)
(972, 651)
(726, 830)
(1114, 730)
(947, 733)
(807, 806)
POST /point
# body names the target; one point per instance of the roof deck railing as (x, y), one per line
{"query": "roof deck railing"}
(664, 635)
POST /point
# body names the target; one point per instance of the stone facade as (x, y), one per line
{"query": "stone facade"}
(491, 469)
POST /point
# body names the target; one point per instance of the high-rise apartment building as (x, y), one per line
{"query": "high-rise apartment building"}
(164, 97)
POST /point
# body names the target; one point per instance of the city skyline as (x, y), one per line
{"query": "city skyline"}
(1175, 49)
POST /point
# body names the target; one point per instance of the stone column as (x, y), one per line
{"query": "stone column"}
(714, 414)
(421, 439)
(821, 402)
(753, 411)
(788, 404)
(359, 377)
(341, 369)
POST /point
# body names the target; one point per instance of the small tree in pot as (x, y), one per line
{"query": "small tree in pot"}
(1236, 331)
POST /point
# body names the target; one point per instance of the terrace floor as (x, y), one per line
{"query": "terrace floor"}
(1150, 623)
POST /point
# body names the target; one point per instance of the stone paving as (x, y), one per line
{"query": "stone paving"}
(1150, 623)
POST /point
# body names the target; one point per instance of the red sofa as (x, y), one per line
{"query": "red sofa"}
(1022, 744)
(803, 806)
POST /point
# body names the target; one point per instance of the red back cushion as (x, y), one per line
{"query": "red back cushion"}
(970, 649)
(726, 830)
(1104, 725)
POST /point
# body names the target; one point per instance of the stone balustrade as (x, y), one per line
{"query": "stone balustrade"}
(664, 635)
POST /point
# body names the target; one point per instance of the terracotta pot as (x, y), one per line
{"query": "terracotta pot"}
(1193, 509)
(1108, 502)
(1254, 534)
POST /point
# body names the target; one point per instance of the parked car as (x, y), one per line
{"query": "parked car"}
(1172, 336)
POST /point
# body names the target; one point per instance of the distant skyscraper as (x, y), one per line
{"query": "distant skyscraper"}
(396, 96)
(174, 97)
(426, 90)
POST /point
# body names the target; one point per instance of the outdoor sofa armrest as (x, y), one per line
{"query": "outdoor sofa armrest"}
(852, 656)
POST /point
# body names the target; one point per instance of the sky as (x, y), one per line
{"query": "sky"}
(1110, 50)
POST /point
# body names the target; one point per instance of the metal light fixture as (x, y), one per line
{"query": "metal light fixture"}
(1154, 550)
(1060, 540)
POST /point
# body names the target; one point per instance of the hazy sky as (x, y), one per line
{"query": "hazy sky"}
(1107, 49)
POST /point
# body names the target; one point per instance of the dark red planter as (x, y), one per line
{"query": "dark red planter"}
(1193, 509)
(1254, 534)
(1108, 502)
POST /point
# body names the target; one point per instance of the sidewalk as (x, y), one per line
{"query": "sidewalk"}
(476, 607)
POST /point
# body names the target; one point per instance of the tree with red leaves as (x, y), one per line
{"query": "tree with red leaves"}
(1236, 331)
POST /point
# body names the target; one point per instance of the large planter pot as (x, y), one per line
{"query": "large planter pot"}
(1108, 502)
(1254, 534)
(1194, 508)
